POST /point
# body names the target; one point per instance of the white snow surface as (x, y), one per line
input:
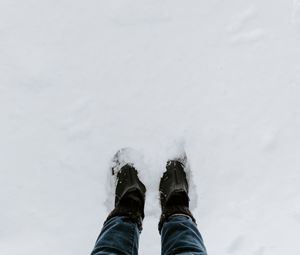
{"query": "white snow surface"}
(81, 79)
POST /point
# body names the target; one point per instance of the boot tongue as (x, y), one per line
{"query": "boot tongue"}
(132, 206)
(132, 197)
(178, 199)
(133, 201)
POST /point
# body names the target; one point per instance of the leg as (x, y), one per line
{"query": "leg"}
(179, 235)
(120, 233)
(177, 226)
(118, 236)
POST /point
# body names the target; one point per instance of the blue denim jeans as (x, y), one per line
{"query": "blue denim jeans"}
(179, 235)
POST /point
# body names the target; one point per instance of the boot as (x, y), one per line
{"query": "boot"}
(174, 190)
(130, 191)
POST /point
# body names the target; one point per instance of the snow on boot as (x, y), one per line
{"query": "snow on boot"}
(174, 190)
(130, 191)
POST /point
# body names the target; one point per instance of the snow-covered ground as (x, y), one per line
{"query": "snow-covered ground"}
(81, 79)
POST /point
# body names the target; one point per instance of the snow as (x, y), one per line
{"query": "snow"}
(80, 80)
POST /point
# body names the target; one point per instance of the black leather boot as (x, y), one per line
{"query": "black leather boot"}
(130, 191)
(174, 191)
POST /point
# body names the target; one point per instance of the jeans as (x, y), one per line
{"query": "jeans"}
(179, 235)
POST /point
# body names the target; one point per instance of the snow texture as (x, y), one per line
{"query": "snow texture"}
(81, 79)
